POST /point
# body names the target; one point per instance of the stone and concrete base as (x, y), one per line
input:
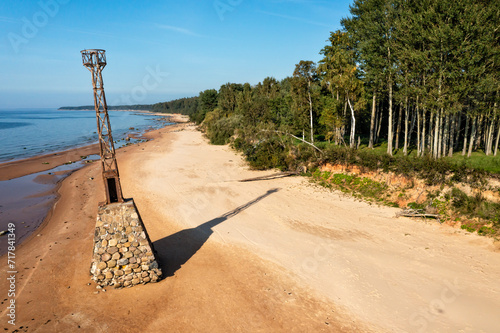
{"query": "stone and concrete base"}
(123, 254)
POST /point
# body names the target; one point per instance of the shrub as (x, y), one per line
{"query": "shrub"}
(476, 206)
(266, 154)
(219, 128)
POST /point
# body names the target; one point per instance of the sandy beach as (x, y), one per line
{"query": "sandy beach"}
(278, 255)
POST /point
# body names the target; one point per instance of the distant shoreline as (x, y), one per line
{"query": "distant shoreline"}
(122, 110)
(24, 166)
(136, 108)
(153, 113)
(47, 138)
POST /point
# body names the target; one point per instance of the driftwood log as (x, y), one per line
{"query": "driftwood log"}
(409, 212)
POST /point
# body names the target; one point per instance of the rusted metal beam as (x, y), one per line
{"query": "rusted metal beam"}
(95, 61)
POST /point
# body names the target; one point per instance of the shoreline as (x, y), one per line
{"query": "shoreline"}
(139, 111)
(41, 214)
(18, 168)
(22, 167)
(34, 184)
(27, 166)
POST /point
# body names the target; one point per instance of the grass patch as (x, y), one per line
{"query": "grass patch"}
(474, 212)
(478, 161)
(361, 187)
(433, 171)
(476, 207)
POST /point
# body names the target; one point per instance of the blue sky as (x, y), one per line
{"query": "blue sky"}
(156, 51)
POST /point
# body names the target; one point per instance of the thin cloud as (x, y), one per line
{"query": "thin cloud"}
(8, 19)
(107, 35)
(178, 29)
(293, 18)
(88, 32)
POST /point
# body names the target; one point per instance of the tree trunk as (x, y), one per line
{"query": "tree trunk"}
(452, 135)
(311, 111)
(372, 121)
(422, 140)
(489, 136)
(379, 122)
(431, 135)
(407, 113)
(479, 132)
(353, 125)
(465, 134)
(419, 148)
(389, 133)
(472, 136)
(440, 133)
(498, 131)
(484, 132)
(398, 127)
(457, 131)
(445, 134)
(435, 153)
(439, 115)
(413, 116)
(498, 138)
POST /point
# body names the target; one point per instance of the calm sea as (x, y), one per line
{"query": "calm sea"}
(26, 133)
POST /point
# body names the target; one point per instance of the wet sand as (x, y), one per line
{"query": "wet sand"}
(27, 200)
(28, 187)
(19, 168)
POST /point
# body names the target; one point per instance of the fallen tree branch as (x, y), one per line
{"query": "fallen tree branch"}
(268, 177)
(419, 215)
(296, 137)
(408, 212)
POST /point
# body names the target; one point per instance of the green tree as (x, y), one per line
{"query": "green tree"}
(371, 27)
(207, 102)
(340, 73)
(305, 74)
(227, 98)
(331, 118)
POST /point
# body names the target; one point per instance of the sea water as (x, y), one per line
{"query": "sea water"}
(31, 132)
(25, 201)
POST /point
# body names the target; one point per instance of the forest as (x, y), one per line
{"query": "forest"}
(185, 106)
(409, 77)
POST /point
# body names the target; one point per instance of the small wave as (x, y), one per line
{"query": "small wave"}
(6, 125)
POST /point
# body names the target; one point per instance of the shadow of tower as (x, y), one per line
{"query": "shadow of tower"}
(175, 250)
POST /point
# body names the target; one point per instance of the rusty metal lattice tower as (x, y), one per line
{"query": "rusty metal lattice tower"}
(95, 61)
